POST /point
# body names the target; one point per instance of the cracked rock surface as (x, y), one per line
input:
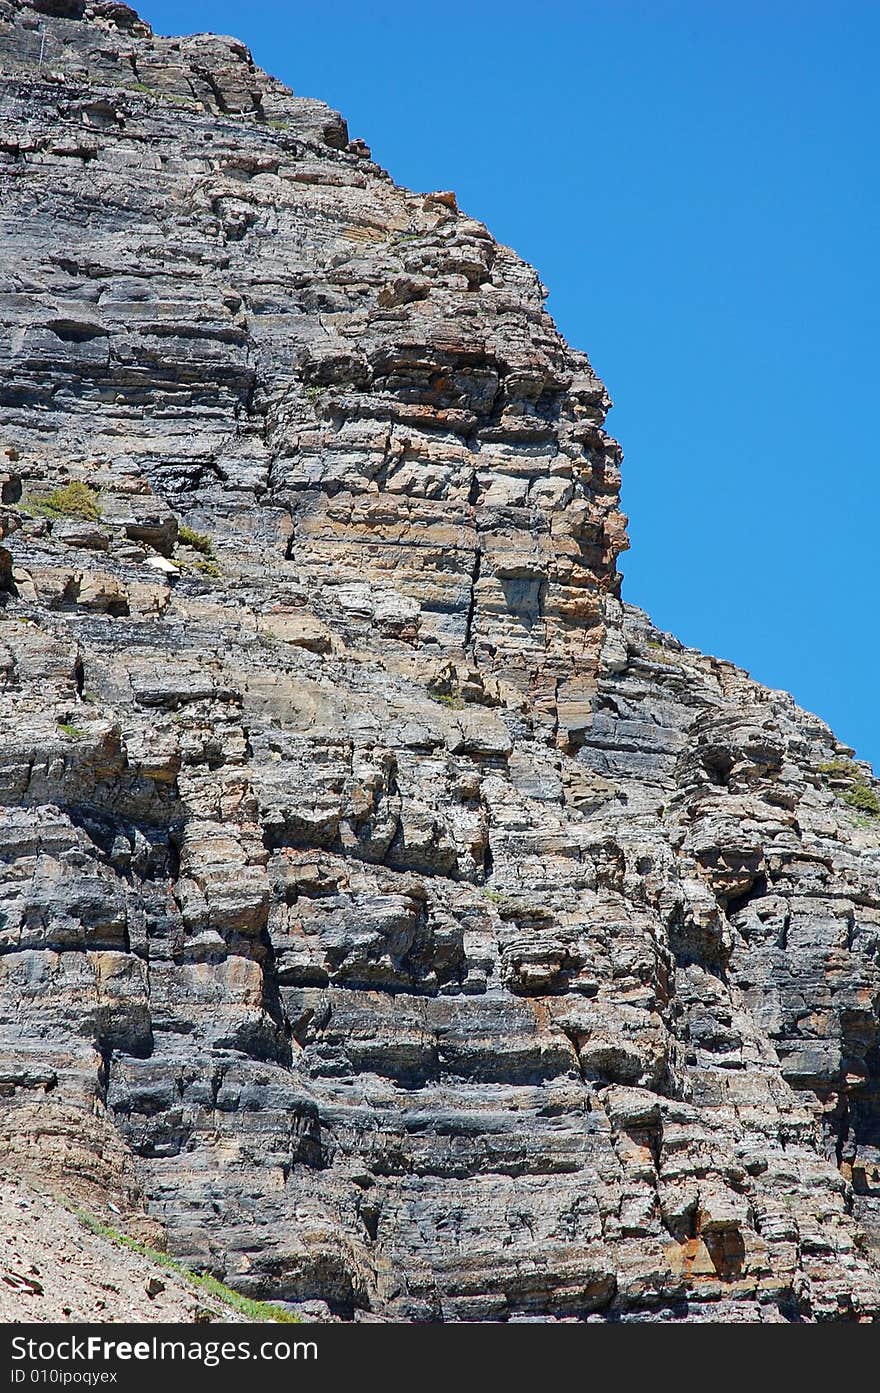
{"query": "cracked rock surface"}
(392, 922)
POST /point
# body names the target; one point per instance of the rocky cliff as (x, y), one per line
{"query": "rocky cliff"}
(393, 923)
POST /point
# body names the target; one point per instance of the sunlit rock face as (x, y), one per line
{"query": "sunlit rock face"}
(392, 922)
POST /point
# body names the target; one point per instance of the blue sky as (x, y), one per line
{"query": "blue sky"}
(697, 184)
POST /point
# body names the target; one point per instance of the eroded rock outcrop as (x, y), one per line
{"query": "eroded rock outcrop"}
(390, 917)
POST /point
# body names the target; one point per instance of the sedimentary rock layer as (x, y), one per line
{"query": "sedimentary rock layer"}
(392, 922)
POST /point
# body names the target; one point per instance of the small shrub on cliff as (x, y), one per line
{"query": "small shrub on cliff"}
(74, 500)
(206, 568)
(199, 541)
(837, 768)
(862, 796)
(453, 700)
(206, 562)
(71, 731)
(313, 394)
(851, 786)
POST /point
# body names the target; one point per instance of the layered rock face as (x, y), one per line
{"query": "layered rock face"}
(392, 922)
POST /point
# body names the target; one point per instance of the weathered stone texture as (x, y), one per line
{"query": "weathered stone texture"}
(387, 913)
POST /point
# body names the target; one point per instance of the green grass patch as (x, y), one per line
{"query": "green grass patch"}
(71, 731)
(199, 541)
(75, 500)
(452, 700)
(203, 1281)
(853, 786)
(205, 564)
(863, 797)
(205, 567)
(836, 768)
